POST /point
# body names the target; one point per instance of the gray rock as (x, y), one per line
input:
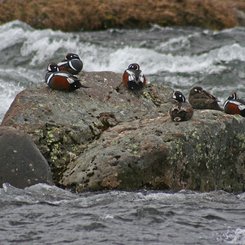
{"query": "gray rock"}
(106, 137)
(204, 154)
(64, 124)
(21, 163)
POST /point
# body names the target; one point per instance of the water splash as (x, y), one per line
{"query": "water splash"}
(42, 46)
(7, 93)
(233, 236)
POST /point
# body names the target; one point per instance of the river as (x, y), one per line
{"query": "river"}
(178, 57)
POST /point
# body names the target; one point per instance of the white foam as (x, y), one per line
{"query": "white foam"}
(174, 44)
(7, 93)
(42, 45)
(234, 236)
(11, 37)
(153, 62)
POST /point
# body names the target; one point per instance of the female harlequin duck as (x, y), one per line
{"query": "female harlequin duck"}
(201, 99)
(59, 80)
(133, 78)
(71, 64)
(181, 110)
(233, 105)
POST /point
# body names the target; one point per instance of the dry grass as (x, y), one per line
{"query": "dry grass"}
(75, 15)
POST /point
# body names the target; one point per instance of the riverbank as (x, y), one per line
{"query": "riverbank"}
(98, 15)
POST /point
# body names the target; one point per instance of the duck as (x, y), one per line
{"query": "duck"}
(201, 99)
(233, 105)
(133, 78)
(181, 109)
(59, 80)
(72, 64)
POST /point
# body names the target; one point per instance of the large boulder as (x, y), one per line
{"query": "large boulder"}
(21, 163)
(204, 154)
(106, 137)
(64, 124)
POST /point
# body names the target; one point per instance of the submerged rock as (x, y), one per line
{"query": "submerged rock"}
(106, 137)
(21, 163)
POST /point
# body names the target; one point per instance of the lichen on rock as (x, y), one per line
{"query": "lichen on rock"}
(106, 137)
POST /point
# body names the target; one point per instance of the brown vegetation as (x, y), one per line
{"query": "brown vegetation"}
(101, 14)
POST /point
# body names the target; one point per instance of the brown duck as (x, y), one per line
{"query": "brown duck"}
(201, 99)
(181, 110)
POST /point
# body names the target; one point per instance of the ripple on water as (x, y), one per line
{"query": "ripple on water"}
(120, 217)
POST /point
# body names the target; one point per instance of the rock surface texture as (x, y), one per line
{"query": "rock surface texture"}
(21, 163)
(102, 14)
(106, 137)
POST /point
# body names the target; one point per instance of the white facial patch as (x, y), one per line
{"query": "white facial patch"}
(131, 75)
(141, 77)
(49, 68)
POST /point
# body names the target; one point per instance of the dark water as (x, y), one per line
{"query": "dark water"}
(179, 57)
(47, 215)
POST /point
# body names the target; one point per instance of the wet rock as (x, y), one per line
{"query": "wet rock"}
(204, 154)
(97, 14)
(21, 163)
(106, 137)
(64, 124)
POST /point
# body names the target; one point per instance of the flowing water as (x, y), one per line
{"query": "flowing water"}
(42, 214)
(179, 57)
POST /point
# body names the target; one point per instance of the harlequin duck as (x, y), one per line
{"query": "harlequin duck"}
(234, 105)
(71, 64)
(133, 78)
(59, 80)
(201, 99)
(181, 110)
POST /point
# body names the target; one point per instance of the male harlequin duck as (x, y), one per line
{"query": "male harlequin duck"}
(181, 110)
(133, 78)
(234, 105)
(201, 99)
(71, 64)
(59, 80)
